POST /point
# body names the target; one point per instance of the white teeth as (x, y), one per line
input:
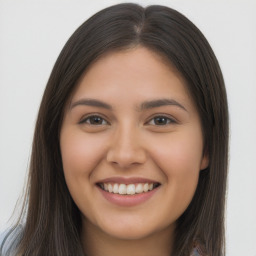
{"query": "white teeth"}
(122, 189)
(139, 188)
(110, 189)
(115, 188)
(145, 187)
(130, 189)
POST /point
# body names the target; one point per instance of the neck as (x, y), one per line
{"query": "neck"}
(97, 243)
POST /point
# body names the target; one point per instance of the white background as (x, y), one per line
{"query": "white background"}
(32, 33)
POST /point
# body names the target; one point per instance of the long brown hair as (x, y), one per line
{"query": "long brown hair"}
(52, 220)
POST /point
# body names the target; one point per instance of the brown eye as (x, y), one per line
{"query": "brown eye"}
(94, 120)
(161, 120)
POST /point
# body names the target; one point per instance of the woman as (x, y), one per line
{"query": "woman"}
(131, 143)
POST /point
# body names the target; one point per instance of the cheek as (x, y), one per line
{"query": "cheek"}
(183, 149)
(179, 159)
(80, 153)
(80, 156)
(180, 153)
(185, 157)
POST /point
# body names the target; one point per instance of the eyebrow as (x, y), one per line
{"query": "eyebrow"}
(160, 103)
(144, 106)
(91, 102)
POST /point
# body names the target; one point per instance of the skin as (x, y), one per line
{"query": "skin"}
(129, 141)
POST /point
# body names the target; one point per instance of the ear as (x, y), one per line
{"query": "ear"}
(204, 162)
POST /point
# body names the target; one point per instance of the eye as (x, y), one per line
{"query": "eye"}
(94, 120)
(161, 120)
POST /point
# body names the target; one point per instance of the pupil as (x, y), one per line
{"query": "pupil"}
(160, 120)
(96, 120)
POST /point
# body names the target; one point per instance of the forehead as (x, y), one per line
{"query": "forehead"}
(130, 70)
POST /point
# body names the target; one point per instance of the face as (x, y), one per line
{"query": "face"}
(131, 144)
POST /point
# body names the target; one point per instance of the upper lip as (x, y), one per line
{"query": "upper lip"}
(127, 180)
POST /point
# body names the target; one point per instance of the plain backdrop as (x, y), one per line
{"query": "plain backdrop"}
(32, 33)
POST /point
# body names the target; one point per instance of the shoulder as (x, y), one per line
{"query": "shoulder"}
(9, 239)
(3, 241)
(197, 251)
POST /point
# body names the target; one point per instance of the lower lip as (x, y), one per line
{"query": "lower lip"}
(128, 200)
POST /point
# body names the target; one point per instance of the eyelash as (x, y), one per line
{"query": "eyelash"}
(167, 120)
(84, 120)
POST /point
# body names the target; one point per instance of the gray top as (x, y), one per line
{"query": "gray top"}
(9, 240)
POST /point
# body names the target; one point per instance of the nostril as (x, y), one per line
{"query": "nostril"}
(124, 158)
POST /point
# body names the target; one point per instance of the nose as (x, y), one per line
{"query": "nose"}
(126, 148)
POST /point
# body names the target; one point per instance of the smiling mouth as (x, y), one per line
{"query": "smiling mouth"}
(128, 189)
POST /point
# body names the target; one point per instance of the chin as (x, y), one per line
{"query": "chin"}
(132, 233)
(133, 230)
